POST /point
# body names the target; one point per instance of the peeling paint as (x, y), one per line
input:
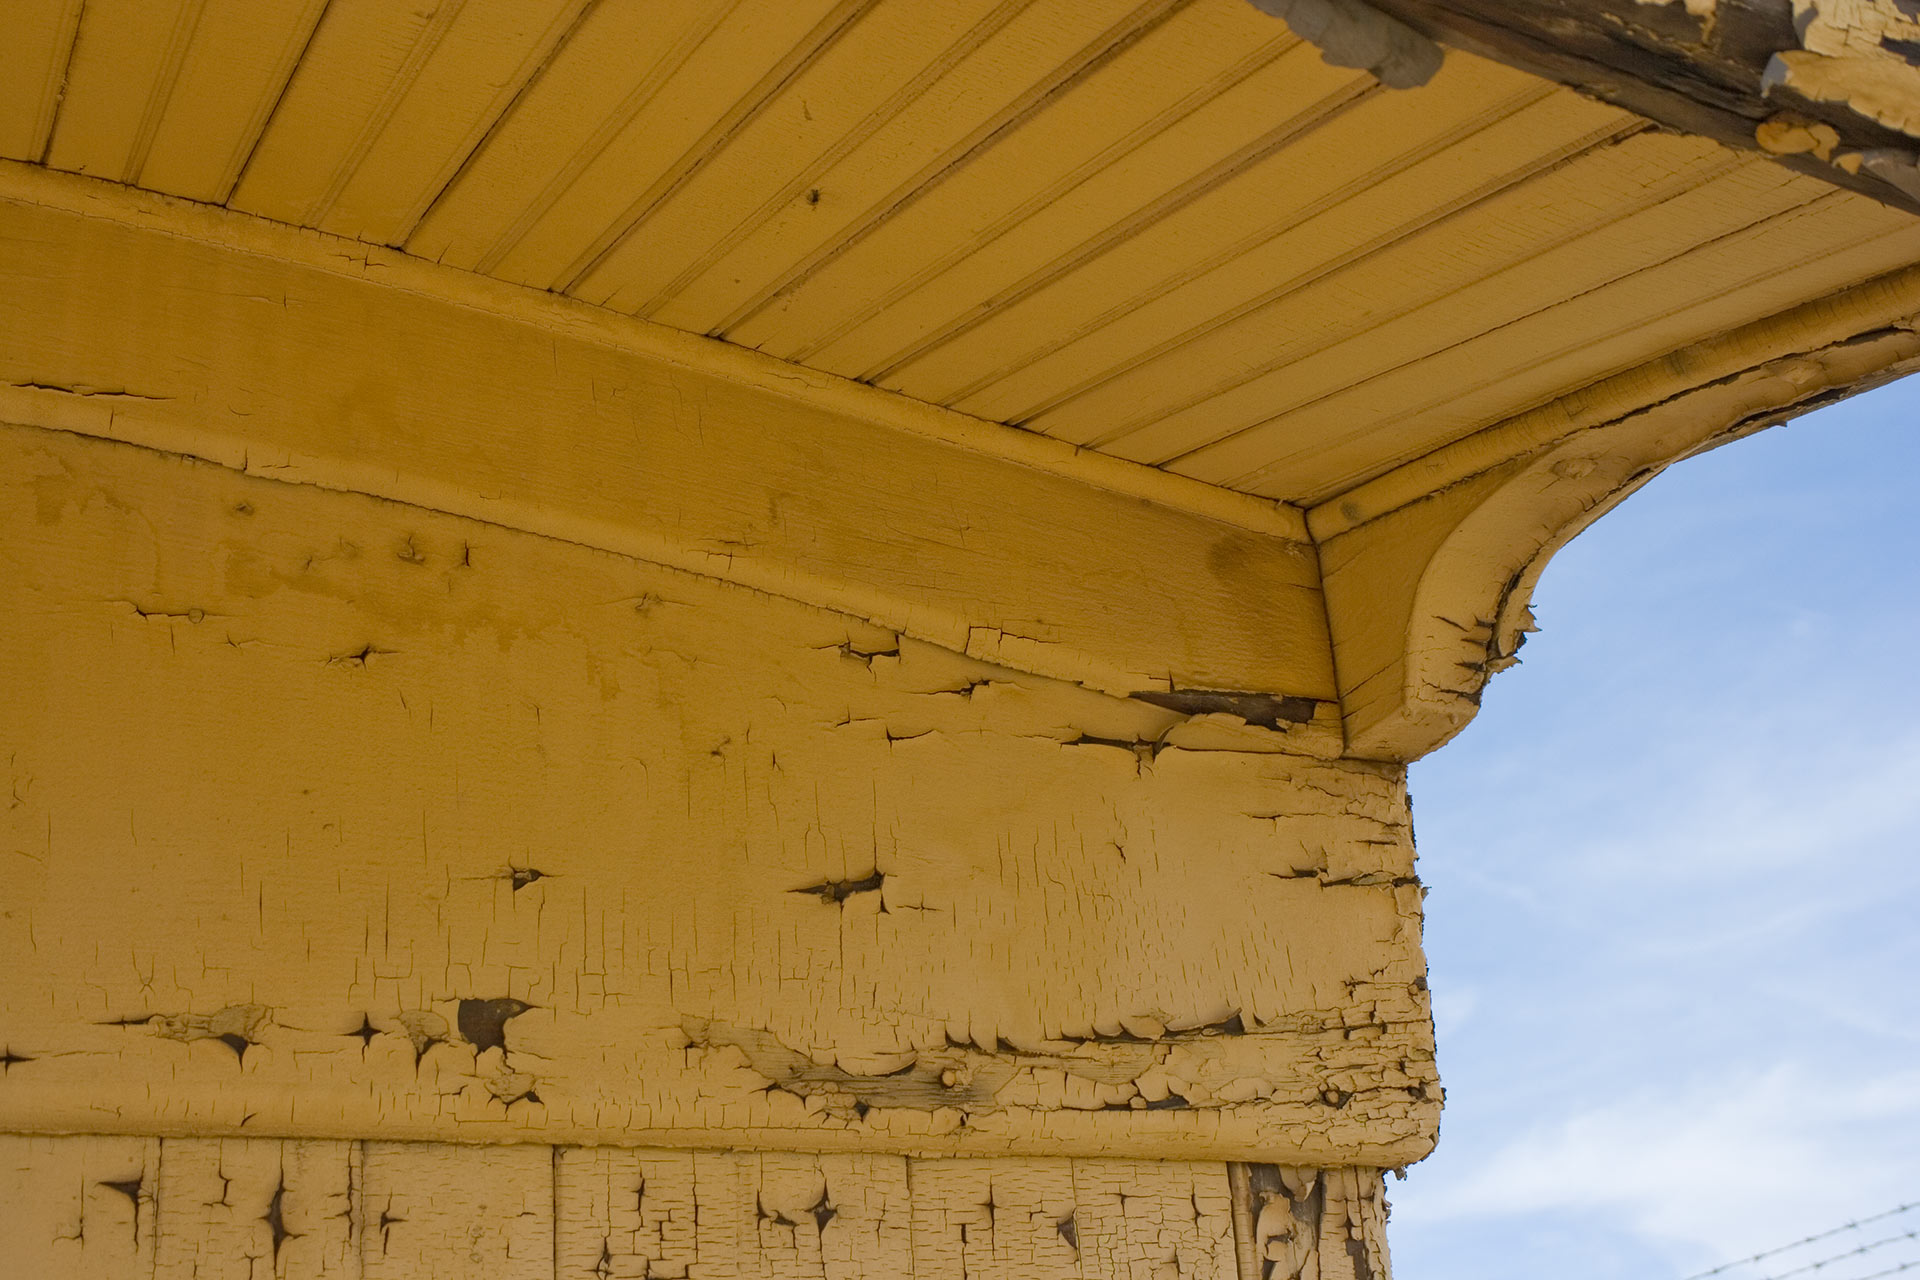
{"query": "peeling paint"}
(506, 855)
(236, 1026)
(1698, 8)
(1862, 54)
(1350, 33)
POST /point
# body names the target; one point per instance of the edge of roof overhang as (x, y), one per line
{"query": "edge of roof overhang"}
(1731, 70)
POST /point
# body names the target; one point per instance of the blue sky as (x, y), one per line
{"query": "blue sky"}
(1674, 873)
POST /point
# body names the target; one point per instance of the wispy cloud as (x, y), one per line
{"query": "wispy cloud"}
(1707, 1173)
(1675, 869)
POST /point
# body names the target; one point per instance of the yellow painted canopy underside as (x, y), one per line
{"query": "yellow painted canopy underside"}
(1166, 231)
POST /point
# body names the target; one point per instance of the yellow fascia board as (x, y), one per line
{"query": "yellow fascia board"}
(307, 357)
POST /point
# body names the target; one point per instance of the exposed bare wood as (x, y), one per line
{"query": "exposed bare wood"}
(1861, 57)
(1703, 72)
(1310, 1224)
(1352, 33)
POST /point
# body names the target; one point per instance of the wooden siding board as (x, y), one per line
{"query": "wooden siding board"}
(315, 1210)
(569, 428)
(33, 75)
(80, 1207)
(363, 60)
(365, 725)
(1694, 69)
(243, 54)
(1333, 231)
(1615, 278)
(487, 56)
(1395, 201)
(1167, 1220)
(722, 84)
(1858, 242)
(1196, 146)
(235, 1208)
(605, 73)
(1000, 222)
(999, 173)
(1110, 269)
(1149, 408)
(831, 106)
(440, 1212)
(944, 121)
(126, 57)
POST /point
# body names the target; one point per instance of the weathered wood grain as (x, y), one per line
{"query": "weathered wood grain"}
(1310, 1224)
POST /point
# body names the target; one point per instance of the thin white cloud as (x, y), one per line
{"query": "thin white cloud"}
(1714, 1171)
(1674, 871)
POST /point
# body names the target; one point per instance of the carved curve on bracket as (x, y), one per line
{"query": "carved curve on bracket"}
(1479, 546)
(1473, 608)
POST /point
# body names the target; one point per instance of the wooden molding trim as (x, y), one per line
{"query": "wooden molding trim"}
(1431, 598)
(305, 357)
(242, 233)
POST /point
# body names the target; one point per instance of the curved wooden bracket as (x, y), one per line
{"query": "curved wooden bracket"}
(1429, 597)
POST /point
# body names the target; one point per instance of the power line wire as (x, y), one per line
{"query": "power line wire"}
(1842, 1257)
(1844, 1227)
(1892, 1271)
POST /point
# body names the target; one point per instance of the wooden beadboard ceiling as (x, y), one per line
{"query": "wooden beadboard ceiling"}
(1167, 231)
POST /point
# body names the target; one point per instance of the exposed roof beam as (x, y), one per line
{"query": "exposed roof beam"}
(1697, 68)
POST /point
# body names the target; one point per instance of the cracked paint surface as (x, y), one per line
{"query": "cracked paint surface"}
(311, 1209)
(573, 846)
